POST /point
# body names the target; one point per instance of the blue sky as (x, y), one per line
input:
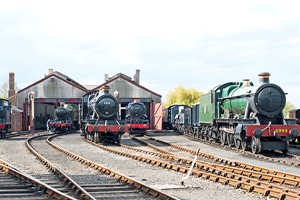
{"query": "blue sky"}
(197, 44)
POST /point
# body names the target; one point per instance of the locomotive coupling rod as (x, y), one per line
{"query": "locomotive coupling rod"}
(191, 168)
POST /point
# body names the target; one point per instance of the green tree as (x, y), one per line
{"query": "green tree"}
(288, 106)
(182, 95)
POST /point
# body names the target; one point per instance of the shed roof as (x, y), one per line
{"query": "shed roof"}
(126, 78)
(59, 76)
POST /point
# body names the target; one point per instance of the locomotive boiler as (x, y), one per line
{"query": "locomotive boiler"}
(136, 118)
(100, 118)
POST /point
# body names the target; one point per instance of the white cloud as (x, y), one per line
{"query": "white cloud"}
(194, 43)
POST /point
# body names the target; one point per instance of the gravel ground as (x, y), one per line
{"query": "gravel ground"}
(167, 180)
(14, 151)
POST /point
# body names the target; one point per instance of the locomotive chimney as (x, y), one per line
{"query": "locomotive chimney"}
(264, 77)
(105, 89)
(137, 76)
(11, 86)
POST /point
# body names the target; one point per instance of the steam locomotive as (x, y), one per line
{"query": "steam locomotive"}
(136, 118)
(243, 115)
(5, 117)
(62, 123)
(100, 120)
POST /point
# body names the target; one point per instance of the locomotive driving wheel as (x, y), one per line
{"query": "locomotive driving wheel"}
(255, 145)
(244, 145)
(237, 142)
(230, 140)
(223, 137)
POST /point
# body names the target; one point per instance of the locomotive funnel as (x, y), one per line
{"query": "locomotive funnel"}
(264, 77)
(105, 89)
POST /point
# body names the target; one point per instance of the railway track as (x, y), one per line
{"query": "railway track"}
(14, 134)
(108, 185)
(15, 184)
(238, 175)
(272, 156)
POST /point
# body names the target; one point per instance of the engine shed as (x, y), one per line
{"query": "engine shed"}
(44, 96)
(56, 89)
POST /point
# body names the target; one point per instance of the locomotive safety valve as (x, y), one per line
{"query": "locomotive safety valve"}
(294, 132)
(257, 133)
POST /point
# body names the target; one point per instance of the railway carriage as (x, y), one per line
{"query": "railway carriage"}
(176, 116)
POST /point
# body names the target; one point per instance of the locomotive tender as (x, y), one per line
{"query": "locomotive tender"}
(62, 122)
(136, 118)
(100, 119)
(5, 117)
(245, 116)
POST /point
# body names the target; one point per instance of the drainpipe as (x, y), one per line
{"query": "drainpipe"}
(31, 114)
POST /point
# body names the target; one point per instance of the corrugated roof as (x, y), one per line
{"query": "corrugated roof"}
(59, 76)
(126, 78)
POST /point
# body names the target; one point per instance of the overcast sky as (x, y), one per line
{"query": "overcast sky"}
(197, 44)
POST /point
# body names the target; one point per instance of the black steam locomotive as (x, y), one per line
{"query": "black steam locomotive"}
(243, 115)
(5, 117)
(136, 118)
(62, 123)
(100, 120)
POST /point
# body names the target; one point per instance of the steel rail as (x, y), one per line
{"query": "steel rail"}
(142, 187)
(224, 177)
(234, 170)
(47, 189)
(233, 163)
(79, 191)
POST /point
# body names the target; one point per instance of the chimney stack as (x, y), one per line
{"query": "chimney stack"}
(105, 77)
(137, 76)
(50, 71)
(264, 77)
(11, 87)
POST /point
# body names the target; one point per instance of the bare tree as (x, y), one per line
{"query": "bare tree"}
(4, 90)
